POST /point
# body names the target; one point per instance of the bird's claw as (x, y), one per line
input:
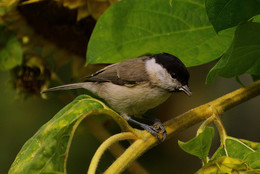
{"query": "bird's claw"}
(153, 131)
(161, 129)
(156, 129)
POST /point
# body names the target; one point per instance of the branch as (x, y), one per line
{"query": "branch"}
(98, 130)
(105, 145)
(182, 122)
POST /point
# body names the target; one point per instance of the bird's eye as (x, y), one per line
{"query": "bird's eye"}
(174, 75)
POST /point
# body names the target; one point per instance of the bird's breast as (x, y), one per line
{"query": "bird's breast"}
(134, 100)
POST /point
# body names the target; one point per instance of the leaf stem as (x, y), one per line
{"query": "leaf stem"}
(104, 146)
(222, 132)
(133, 152)
(204, 124)
(98, 130)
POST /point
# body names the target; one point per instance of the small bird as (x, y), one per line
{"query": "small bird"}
(136, 85)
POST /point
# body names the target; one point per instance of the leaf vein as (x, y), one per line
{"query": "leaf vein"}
(154, 36)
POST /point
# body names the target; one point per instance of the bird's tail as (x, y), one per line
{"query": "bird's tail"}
(66, 87)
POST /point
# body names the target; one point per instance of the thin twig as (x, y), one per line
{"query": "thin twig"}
(222, 132)
(104, 146)
(205, 123)
(98, 130)
(134, 150)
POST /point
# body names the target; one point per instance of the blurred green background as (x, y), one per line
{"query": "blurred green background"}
(21, 118)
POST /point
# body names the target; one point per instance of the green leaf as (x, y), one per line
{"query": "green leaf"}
(255, 69)
(224, 14)
(253, 160)
(237, 149)
(199, 146)
(47, 150)
(243, 54)
(6, 6)
(245, 150)
(10, 51)
(131, 28)
(251, 144)
(256, 18)
(2, 11)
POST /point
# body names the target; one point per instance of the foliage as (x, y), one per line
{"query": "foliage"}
(226, 164)
(245, 48)
(244, 150)
(234, 155)
(10, 50)
(153, 27)
(95, 8)
(184, 30)
(200, 145)
(47, 151)
(224, 14)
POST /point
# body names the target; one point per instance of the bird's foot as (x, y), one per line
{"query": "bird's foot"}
(157, 129)
(152, 130)
(160, 128)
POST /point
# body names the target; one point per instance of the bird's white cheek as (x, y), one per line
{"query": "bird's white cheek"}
(158, 75)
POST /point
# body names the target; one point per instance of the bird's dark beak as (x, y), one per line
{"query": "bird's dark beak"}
(186, 89)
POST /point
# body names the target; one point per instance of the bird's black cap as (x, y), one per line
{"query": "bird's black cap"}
(174, 66)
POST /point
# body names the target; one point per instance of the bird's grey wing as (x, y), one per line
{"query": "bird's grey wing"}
(128, 73)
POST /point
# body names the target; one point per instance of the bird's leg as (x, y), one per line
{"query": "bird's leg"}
(158, 125)
(152, 129)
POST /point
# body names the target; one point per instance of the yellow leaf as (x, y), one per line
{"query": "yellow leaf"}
(8, 3)
(225, 164)
(97, 8)
(82, 12)
(31, 1)
(72, 4)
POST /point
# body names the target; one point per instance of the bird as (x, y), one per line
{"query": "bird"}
(136, 85)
